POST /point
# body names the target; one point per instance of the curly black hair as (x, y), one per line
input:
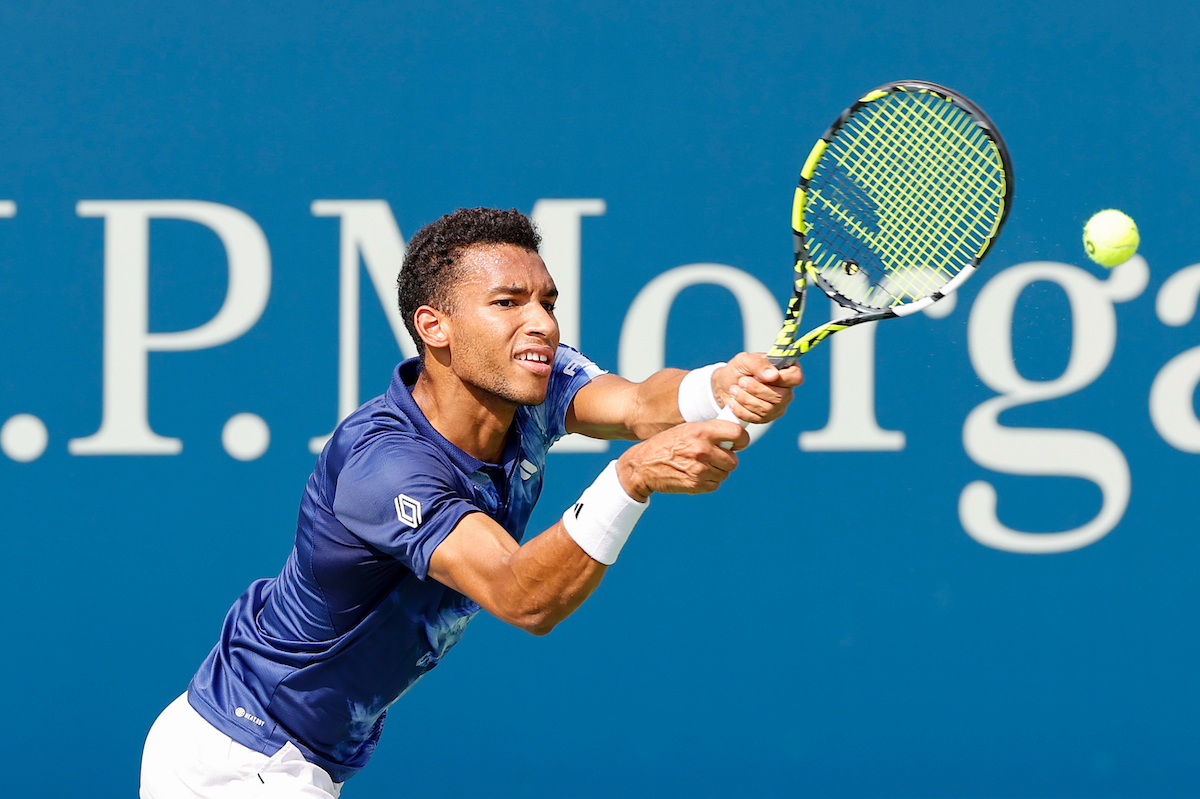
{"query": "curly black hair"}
(431, 261)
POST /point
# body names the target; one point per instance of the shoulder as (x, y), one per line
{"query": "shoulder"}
(392, 485)
(570, 362)
(572, 371)
(374, 447)
(390, 455)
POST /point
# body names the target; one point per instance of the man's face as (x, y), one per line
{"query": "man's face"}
(503, 331)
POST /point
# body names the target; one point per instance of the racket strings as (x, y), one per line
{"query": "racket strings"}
(907, 167)
(909, 191)
(898, 225)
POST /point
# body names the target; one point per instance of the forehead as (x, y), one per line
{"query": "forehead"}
(488, 266)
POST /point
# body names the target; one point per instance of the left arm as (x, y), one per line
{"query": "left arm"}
(612, 407)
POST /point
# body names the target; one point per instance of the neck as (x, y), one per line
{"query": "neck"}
(472, 420)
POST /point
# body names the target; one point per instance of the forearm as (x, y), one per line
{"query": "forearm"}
(611, 407)
(532, 586)
(656, 406)
(544, 581)
(536, 585)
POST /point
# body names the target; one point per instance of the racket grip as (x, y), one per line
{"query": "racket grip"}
(783, 361)
(726, 415)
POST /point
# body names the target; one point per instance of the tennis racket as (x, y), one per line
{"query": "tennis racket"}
(897, 205)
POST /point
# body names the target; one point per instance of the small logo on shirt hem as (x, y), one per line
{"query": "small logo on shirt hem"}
(242, 714)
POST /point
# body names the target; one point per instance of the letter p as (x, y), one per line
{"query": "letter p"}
(125, 427)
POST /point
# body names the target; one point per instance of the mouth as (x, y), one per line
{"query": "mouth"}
(537, 360)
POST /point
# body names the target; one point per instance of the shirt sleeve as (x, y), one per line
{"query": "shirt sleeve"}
(572, 371)
(398, 496)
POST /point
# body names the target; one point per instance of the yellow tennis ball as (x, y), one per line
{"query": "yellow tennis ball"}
(1110, 238)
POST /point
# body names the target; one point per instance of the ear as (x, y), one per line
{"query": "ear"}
(433, 327)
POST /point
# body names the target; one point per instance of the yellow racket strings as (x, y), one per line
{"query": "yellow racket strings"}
(908, 192)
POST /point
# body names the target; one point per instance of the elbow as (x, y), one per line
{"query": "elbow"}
(538, 608)
(538, 623)
(535, 618)
(540, 630)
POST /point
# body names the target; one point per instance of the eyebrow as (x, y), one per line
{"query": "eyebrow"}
(520, 290)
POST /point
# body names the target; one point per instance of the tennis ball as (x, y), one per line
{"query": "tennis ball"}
(1110, 238)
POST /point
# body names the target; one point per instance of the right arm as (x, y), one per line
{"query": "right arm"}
(537, 584)
(612, 407)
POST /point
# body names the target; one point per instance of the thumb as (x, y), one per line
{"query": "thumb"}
(727, 434)
(756, 365)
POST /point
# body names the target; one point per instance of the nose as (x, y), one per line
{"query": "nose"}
(541, 322)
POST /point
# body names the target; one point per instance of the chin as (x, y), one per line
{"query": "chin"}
(528, 394)
(532, 399)
(515, 394)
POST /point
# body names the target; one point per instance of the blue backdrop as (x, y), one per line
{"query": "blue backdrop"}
(962, 566)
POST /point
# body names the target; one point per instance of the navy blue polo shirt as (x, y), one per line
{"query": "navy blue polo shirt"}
(317, 654)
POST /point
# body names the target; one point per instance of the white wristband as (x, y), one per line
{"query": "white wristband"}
(696, 400)
(602, 519)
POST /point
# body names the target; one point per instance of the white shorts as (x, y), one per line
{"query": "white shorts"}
(187, 758)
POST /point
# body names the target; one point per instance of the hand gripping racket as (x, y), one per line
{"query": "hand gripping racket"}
(897, 204)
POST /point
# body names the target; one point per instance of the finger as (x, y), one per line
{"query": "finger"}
(750, 389)
(756, 365)
(699, 487)
(719, 430)
(756, 410)
(742, 442)
(739, 410)
(719, 449)
(719, 469)
(787, 377)
(700, 472)
(791, 376)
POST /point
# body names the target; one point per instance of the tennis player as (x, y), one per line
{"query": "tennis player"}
(414, 517)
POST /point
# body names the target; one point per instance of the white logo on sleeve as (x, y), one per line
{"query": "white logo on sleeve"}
(528, 469)
(408, 510)
(590, 369)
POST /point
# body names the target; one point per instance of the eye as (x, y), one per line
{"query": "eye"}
(549, 306)
(505, 303)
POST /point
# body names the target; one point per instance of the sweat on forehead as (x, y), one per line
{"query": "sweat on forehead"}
(481, 259)
(502, 269)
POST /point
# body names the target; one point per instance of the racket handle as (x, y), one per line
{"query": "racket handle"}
(783, 361)
(726, 415)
